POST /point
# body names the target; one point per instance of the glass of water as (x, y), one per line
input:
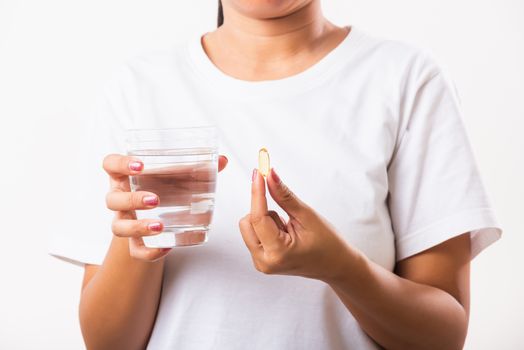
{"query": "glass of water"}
(180, 167)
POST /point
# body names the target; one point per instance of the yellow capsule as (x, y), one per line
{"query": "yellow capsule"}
(263, 162)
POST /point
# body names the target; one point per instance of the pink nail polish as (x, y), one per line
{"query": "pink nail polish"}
(150, 200)
(274, 176)
(136, 166)
(155, 226)
(254, 175)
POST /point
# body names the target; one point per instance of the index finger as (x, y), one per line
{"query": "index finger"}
(118, 166)
(258, 197)
(263, 224)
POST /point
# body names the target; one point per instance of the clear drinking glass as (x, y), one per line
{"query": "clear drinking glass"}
(180, 166)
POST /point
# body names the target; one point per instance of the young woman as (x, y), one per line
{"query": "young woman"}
(386, 206)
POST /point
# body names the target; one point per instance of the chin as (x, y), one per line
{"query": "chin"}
(265, 9)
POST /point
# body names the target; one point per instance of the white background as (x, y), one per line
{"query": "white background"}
(55, 54)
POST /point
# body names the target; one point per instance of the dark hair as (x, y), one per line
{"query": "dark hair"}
(220, 18)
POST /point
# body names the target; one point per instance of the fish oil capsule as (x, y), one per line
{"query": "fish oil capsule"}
(263, 162)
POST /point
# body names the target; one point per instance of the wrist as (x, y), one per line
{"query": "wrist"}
(348, 265)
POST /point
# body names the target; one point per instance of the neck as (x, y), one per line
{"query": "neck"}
(273, 39)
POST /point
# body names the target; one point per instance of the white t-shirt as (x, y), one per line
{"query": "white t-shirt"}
(371, 137)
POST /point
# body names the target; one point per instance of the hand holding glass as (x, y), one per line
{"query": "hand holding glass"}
(180, 167)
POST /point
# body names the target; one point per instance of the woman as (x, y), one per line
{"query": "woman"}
(387, 208)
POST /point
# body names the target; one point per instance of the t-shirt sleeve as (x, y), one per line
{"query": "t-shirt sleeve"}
(435, 189)
(86, 237)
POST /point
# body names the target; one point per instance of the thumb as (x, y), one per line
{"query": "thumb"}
(284, 197)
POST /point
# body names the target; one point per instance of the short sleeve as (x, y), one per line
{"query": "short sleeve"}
(435, 189)
(87, 234)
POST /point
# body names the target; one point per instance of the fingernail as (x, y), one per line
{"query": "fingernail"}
(155, 226)
(254, 175)
(150, 200)
(136, 166)
(275, 176)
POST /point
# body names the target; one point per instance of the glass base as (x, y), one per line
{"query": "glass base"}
(176, 238)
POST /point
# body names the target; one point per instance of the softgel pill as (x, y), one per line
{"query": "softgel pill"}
(263, 162)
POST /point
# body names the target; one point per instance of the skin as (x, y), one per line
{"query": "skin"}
(423, 304)
(432, 286)
(266, 40)
(120, 298)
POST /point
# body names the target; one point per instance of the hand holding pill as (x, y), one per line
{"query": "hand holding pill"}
(307, 245)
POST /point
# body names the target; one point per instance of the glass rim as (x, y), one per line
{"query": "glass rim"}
(203, 127)
(181, 137)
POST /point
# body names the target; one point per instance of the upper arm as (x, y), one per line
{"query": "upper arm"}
(89, 272)
(444, 266)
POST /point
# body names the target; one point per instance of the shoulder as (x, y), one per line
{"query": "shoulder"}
(150, 64)
(398, 59)
(145, 73)
(401, 52)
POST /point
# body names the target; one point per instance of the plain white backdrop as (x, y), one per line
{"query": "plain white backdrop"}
(55, 54)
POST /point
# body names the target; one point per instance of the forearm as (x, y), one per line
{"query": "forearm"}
(396, 312)
(118, 306)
